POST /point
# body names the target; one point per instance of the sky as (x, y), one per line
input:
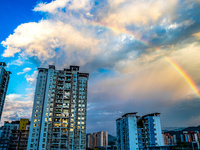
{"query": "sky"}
(142, 56)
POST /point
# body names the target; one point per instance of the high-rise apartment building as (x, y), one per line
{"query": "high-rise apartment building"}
(59, 111)
(135, 132)
(152, 132)
(127, 136)
(98, 140)
(4, 79)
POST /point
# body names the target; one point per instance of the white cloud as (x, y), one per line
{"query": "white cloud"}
(55, 5)
(80, 4)
(20, 61)
(41, 39)
(24, 71)
(184, 24)
(51, 7)
(31, 79)
(122, 13)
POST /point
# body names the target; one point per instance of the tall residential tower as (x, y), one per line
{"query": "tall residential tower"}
(59, 111)
(4, 79)
(127, 135)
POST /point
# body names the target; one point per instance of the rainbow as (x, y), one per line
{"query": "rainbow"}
(170, 61)
(184, 75)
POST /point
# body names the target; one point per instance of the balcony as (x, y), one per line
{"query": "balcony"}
(61, 79)
(59, 101)
(67, 88)
(58, 110)
(55, 142)
(60, 83)
(63, 136)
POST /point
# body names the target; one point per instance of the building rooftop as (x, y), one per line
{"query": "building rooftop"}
(74, 68)
(51, 67)
(127, 114)
(118, 119)
(2, 64)
(152, 114)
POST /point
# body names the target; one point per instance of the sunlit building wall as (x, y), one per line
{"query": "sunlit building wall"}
(59, 110)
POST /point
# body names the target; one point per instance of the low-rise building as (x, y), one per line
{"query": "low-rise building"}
(5, 135)
(169, 139)
(15, 135)
(191, 137)
(98, 140)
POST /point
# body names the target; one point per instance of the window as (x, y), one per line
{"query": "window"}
(56, 124)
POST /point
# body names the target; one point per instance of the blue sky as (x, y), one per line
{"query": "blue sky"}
(114, 41)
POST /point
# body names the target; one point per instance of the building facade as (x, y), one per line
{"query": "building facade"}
(135, 132)
(98, 140)
(59, 111)
(4, 79)
(15, 135)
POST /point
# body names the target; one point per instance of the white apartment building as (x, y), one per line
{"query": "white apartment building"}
(139, 133)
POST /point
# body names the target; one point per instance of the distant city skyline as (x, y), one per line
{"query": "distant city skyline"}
(142, 56)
